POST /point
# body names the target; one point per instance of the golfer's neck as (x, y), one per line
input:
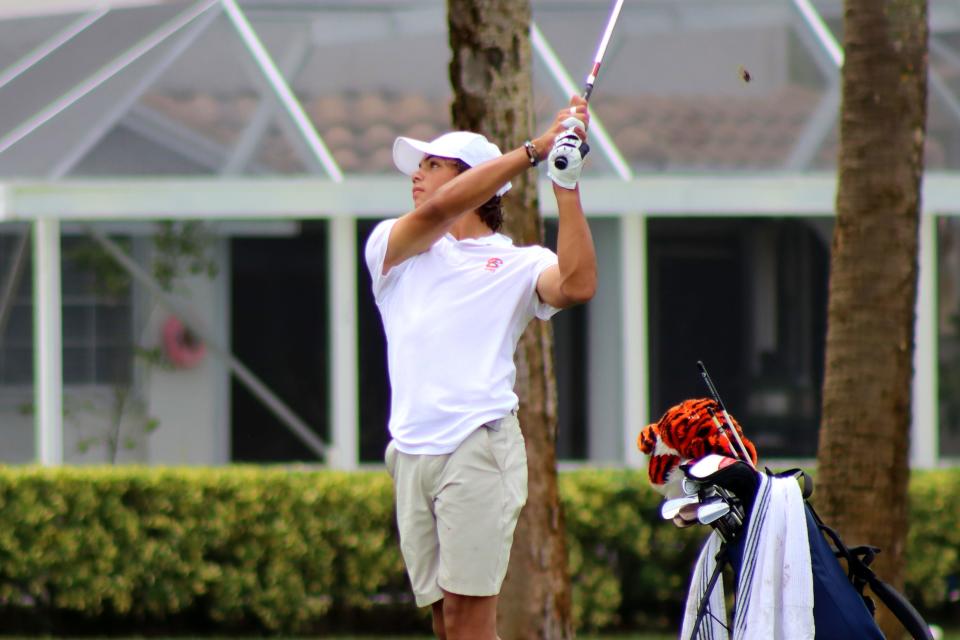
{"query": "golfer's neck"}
(470, 226)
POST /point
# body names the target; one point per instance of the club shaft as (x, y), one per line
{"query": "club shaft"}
(602, 49)
(736, 436)
(712, 389)
(723, 431)
(726, 416)
(561, 163)
(736, 445)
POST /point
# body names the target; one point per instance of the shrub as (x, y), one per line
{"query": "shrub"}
(296, 551)
(243, 546)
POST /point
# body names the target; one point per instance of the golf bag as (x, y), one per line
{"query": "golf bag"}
(839, 574)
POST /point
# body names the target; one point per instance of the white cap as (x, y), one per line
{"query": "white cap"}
(472, 148)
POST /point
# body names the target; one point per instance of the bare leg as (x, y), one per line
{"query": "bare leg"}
(469, 617)
(438, 627)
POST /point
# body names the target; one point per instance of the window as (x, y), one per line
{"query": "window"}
(747, 297)
(948, 323)
(97, 317)
(279, 329)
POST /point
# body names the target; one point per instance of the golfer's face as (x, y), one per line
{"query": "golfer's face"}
(434, 172)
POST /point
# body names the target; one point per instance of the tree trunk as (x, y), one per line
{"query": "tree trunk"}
(864, 438)
(491, 76)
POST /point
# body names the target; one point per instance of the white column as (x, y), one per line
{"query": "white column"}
(925, 424)
(633, 254)
(47, 343)
(343, 452)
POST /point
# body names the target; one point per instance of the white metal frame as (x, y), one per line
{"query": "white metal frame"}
(50, 45)
(48, 341)
(105, 73)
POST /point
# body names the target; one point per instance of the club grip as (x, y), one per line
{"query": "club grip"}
(561, 162)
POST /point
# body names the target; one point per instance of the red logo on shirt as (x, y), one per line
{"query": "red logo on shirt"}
(493, 263)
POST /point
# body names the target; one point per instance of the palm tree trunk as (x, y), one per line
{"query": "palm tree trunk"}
(864, 438)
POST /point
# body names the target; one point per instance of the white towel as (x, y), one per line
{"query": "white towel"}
(775, 587)
(712, 627)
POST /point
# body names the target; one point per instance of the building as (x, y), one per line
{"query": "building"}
(245, 148)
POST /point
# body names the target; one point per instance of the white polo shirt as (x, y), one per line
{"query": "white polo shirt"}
(453, 316)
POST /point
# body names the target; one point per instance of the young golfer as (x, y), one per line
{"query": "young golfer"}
(455, 296)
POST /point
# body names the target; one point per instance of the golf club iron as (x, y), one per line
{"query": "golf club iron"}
(712, 511)
(670, 508)
(740, 449)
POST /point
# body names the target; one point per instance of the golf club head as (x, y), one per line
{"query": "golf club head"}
(671, 508)
(712, 511)
(689, 487)
(709, 465)
(733, 477)
(729, 526)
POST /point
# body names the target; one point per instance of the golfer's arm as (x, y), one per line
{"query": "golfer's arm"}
(574, 279)
(415, 232)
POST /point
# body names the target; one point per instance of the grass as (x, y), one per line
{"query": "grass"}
(638, 636)
(949, 635)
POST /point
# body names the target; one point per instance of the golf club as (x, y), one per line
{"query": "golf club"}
(689, 487)
(726, 416)
(671, 508)
(561, 162)
(712, 511)
(707, 466)
(723, 432)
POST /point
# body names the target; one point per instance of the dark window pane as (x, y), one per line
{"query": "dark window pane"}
(76, 281)
(17, 366)
(19, 331)
(113, 324)
(77, 325)
(279, 329)
(113, 365)
(571, 367)
(24, 292)
(76, 366)
(374, 382)
(764, 350)
(948, 339)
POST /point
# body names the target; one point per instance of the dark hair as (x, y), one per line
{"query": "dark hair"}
(490, 211)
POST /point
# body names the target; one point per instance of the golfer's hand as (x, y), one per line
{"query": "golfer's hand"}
(566, 158)
(573, 117)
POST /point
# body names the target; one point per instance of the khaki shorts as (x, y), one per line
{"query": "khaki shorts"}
(456, 512)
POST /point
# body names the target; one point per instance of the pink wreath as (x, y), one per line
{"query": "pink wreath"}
(181, 346)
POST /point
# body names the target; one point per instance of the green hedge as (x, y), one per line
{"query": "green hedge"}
(243, 547)
(271, 550)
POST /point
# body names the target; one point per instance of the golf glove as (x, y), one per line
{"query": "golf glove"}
(569, 150)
